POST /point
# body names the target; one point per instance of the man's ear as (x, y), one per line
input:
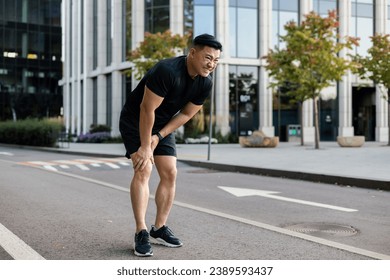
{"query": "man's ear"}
(192, 52)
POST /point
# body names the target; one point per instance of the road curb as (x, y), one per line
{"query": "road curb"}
(312, 177)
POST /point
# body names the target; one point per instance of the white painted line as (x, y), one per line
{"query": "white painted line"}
(6, 154)
(95, 164)
(82, 167)
(101, 183)
(239, 192)
(69, 162)
(64, 166)
(114, 166)
(124, 163)
(111, 159)
(39, 162)
(16, 247)
(85, 160)
(49, 167)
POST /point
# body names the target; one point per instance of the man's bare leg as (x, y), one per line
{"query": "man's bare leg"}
(139, 194)
(165, 194)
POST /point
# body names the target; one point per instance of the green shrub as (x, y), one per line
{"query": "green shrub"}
(99, 128)
(31, 132)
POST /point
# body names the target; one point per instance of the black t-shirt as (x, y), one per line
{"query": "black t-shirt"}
(169, 79)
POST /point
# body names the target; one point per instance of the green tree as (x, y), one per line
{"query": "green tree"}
(376, 66)
(309, 61)
(154, 48)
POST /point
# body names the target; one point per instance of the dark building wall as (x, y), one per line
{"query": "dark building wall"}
(30, 58)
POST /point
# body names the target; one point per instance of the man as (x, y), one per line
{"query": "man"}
(167, 97)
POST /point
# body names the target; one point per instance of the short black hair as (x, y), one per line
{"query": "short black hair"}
(207, 40)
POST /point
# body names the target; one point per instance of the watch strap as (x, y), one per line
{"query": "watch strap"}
(159, 136)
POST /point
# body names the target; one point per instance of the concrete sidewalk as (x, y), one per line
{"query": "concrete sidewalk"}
(367, 166)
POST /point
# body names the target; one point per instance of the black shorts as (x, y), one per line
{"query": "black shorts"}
(132, 142)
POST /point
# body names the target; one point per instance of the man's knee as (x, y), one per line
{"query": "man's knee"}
(144, 174)
(168, 174)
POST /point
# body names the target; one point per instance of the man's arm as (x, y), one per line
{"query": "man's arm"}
(149, 104)
(181, 118)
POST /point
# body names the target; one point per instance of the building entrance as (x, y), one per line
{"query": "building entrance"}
(243, 96)
(363, 108)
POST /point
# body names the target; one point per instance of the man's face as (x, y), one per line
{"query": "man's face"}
(205, 60)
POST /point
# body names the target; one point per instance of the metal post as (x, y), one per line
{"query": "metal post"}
(211, 115)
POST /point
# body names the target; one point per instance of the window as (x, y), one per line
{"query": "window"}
(204, 17)
(156, 15)
(188, 16)
(109, 32)
(362, 24)
(94, 101)
(283, 11)
(388, 19)
(30, 58)
(127, 42)
(243, 28)
(322, 7)
(109, 100)
(95, 35)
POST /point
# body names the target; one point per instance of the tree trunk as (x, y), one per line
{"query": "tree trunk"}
(301, 121)
(316, 126)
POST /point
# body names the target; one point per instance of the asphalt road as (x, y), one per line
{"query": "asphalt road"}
(70, 207)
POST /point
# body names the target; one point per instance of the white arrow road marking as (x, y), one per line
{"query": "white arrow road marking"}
(239, 192)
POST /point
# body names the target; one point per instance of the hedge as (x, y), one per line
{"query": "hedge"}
(30, 132)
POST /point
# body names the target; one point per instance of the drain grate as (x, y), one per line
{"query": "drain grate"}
(323, 229)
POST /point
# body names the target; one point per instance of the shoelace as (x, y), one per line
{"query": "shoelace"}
(168, 231)
(143, 237)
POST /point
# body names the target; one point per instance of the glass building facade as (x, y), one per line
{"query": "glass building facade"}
(362, 24)
(30, 59)
(95, 88)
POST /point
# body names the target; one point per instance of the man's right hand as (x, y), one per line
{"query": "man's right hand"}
(141, 158)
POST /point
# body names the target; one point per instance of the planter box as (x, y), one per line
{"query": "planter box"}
(350, 141)
(258, 140)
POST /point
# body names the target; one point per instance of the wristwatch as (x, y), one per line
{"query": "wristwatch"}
(159, 136)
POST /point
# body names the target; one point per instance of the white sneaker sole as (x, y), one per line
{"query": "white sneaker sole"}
(149, 254)
(161, 241)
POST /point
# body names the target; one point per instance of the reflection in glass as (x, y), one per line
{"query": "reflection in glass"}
(156, 15)
(362, 25)
(243, 17)
(188, 16)
(243, 99)
(30, 58)
(281, 14)
(388, 19)
(322, 7)
(204, 18)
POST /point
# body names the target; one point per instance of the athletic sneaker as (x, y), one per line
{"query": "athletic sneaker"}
(164, 236)
(142, 246)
